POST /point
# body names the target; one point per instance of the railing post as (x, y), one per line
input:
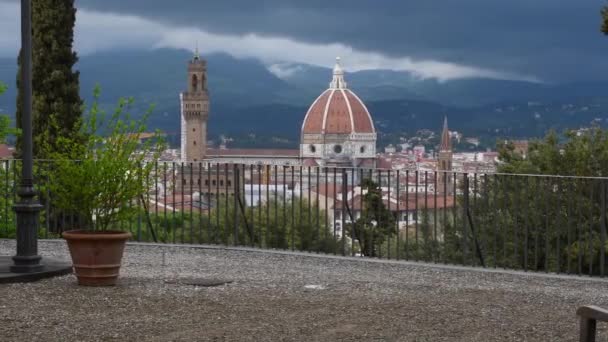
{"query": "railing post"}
(465, 211)
(344, 204)
(236, 178)
(603, 228)
(589, 315)
(587, 329)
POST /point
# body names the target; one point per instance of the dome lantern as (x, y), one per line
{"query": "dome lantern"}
(338, 80)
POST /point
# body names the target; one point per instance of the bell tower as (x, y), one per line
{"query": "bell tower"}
(444, 166)
(195, 111)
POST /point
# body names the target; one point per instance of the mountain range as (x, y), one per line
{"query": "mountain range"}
(264, 104)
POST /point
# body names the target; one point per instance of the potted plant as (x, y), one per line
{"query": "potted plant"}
(99, 176)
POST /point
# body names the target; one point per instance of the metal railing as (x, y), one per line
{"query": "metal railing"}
(525, 222)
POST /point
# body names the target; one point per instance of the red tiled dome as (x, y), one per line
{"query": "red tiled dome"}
(338, 111)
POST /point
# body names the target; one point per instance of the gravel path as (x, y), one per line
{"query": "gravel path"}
(278, 297)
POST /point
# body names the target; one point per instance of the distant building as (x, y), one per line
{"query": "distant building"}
(338, 130)
(194, 104)
(390, 149)
(285, 157)
(419, 151)
(473, 141)
(444, 162)
(6, 152)
(521, 147)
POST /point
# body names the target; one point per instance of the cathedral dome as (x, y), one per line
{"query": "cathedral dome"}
(338, 110)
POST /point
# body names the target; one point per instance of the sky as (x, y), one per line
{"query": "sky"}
(551, 41)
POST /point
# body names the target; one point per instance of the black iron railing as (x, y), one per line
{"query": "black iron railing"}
(525, 222)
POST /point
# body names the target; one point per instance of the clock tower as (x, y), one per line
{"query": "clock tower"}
(195, 112)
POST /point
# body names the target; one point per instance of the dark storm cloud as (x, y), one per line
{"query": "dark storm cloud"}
(551, 39)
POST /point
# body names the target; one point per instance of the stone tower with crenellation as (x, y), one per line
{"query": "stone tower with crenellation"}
(195, 112)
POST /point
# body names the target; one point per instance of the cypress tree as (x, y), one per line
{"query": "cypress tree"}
(604, 27)
(55, 85)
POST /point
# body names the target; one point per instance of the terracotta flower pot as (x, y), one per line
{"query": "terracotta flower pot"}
(96, 255)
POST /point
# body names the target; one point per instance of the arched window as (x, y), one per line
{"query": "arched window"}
(194, 83)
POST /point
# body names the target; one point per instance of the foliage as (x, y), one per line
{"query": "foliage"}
(100, 179)
(577, 153)
(546, 223)
(7, 218)
(291, 224)
(376, 224)
(55, 86)
(604, 13)
(10, 171)
(5, 129)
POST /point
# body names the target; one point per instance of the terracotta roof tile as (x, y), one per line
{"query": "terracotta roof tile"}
(6, 152)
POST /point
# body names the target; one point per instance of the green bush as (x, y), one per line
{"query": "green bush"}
(99, 174)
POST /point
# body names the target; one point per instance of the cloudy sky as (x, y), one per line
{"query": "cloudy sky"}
(543, 40)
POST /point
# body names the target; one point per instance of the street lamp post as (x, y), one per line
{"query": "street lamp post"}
(28, 208)
(27, 265)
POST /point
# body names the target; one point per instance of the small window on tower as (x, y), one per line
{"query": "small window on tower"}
(194, 83)
(194, 143)
(362, 149)
(194, 130)
(312, 148)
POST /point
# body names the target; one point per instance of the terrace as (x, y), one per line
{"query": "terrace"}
(293, 296)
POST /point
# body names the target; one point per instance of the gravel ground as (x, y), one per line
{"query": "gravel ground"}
(285, 297)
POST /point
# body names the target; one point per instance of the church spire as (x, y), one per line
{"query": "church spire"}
(446, 142)
(338, 77)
